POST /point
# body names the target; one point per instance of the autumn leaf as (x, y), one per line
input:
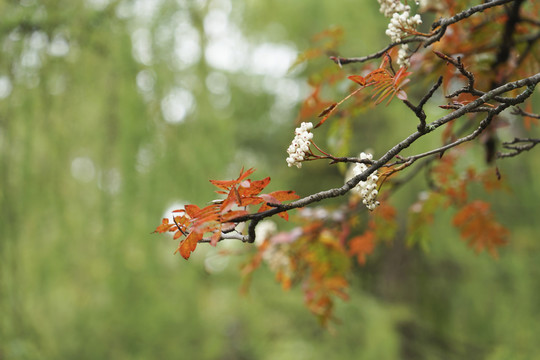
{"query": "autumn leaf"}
(228, 184)
(164, 226)
(253, 188)
(192, 210)
(233, 214)
(362, 245)
(277, 197)
(358, 79)
(188, 245)
(478, 226)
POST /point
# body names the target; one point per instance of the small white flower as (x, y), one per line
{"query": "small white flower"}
(400, 25)
(389, 7)
(300, 145)
(366, 189)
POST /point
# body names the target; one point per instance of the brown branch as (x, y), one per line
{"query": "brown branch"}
(514, 145)
(507, 41)
(443, 23)
(530, 82)
(419, 109)
(439, 29)
(518, 111)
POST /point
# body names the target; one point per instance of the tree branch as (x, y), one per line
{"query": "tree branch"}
(442, 24)
(528, 144)
(530, 82)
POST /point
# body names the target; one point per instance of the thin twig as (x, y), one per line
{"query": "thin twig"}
(528, 144)
(518, 111)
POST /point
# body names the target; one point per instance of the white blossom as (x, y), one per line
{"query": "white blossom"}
(400, 25)
(300, 144)
(366, 189)
(403, 59)
(389, 7)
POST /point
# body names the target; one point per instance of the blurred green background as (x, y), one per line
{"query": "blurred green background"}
(114, 112)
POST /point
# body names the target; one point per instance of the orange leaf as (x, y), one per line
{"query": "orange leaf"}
(188, 245)
(192, 210)
(284, 195)
(255, 187)
(478, 226)
(164, 226)
(233, 214)
(358, 79)
(362, 245)
(227, 184)
(284, 215)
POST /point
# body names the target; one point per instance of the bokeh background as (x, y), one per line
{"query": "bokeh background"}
(112, 113)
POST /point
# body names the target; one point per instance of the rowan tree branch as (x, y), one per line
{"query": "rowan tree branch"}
(529, 82)
(443, 23)
(419, 109)
(439, 28)
(480, 104)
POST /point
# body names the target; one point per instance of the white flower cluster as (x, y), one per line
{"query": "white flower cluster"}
(389, 7)
(400, 23)
(277, 259)
(366, 189)
(300, 144)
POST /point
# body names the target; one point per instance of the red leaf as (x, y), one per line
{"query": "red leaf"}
(252, 200)
(227, 184)
(244, 175)
(192, 210)
(362, 245)
(164, 226)
(478, 226)
(223, 184)
(233, 214)
(255, 187)
(188, 245)
(284, 215)
(358, 79)
(284, 195)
